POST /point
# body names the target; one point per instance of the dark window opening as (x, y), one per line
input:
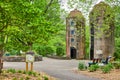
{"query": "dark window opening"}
(72, 39)
(72, 32)
(73, 52)
(72, 23)
(92, 44)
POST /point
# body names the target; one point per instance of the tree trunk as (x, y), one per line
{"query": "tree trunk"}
(1, 62)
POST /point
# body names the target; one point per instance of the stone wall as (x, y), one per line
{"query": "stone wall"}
(19, 58)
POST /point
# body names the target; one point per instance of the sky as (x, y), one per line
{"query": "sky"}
(65, 6)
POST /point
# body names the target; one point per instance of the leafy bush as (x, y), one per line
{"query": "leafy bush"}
(11, 70)
(27, 78)
(60, 51)
(81, 66)
(14, 78)
(45, 77)
(116, 64)
(24, 72)
(117, 48)
(29, 72)
(106, 69)
(110, 65)
(34, 74)
(21, 78)
(19, 71)
(44, 50)
(93, 68)
(15, 52)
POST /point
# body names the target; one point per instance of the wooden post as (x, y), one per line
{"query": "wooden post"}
(26, 66)
(31, 66)
(0, 65)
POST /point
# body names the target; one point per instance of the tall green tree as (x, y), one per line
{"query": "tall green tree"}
(33, 21)
(24, 23)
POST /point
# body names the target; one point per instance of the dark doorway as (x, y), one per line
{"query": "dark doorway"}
(73, 52)
(92, 43)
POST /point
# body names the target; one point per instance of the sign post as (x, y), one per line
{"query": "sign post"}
(29, 59)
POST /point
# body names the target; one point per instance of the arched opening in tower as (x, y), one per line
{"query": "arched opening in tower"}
(73, 52)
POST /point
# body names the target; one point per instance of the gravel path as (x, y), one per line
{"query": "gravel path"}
(61, 69)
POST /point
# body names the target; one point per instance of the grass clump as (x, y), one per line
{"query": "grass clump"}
(81, 66)
(11, 70)
(107, 68)
(45, 77)
(93, 68)
(19, 71)
(14, 78)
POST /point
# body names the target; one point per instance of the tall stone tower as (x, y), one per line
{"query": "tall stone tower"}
(75, 35)
(102, 31)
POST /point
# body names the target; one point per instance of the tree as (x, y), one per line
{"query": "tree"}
(27, 22)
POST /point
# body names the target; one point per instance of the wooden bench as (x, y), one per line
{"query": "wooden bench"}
(106, 61)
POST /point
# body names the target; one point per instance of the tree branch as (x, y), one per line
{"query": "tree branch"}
(21, 41)
(48, 6)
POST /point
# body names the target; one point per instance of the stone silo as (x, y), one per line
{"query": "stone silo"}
(102, 31)
(75, 35)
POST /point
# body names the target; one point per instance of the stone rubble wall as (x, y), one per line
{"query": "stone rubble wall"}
(19, 58)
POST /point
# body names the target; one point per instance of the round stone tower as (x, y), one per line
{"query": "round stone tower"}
(75, 35)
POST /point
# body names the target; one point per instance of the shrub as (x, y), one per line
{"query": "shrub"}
(14, 78)
(60, 51)
(39, 78)
(14, 52)
(11, 70)
(116, 64)
(45, 77)
(34, 74)
(117, 48)
(21, 78)
(44, 50)
(106, 69)
(81, 66)
(110, 65)
(93, 68)
(24, 72)
(27, 78)
(29, 72)
(19, 71)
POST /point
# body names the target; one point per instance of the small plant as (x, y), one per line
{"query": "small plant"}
(60, 51)
(27, 78)
(39, 74)
(21, 78)
(38, 78)
(106, 69)
(81, 66)
(116, 64)
(19, 71)
(11, 70)
(29, 72)
(45, 77)
(110, 65)
(24, 72)
(34, 74)
(93, 68)
(14, 78)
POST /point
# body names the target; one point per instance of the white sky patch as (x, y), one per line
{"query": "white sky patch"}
(85, 8)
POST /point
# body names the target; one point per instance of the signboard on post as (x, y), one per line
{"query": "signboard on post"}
(29, 59)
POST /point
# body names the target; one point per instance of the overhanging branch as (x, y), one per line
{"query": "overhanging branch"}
(49, 4)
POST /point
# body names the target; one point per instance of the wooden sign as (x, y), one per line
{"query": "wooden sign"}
(29, 58)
